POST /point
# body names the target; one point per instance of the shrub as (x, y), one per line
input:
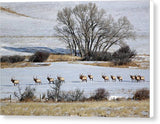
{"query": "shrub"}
(100, 94)
(5, 59)
(50, 95)
(76, 95)
(16, 58)
(141, 94)
(123, 55)
(43, 96)
(39, 56)
(27, 95)
(101, 56)
(12, 59)
(55, 93)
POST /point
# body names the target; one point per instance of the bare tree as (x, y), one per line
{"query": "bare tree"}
(28, 94)
(55, 93)
(89, 30)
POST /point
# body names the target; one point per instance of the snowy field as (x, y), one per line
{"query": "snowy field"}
(71, 74)
(22, 35)
(18, 45)
(36, 28)
(40, 17)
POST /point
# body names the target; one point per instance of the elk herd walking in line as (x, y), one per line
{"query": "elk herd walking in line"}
(106, 78)
(83, 78)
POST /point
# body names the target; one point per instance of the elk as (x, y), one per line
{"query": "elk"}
(51, 80)
(36, 80)
(14, 81)
(119, 78)
(90, 77)
(83, 77)
(142, 78)
(60, 79)
(105, 78)
(137, 78)
(132, 77)
(113, 78)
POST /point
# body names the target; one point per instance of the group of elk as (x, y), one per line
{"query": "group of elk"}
(83, 78)
(137, 78)
(38, 81)
(50, 80)
(106, 78)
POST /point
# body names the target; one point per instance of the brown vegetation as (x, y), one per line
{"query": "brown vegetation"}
(39, 56)
(17, 65)
(124, 108)
(137, 63)
(100, 94)
(110, 64)
(59, 58)
(141, 94)
(51, 58)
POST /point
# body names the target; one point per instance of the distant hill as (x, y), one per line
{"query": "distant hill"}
(39, 18)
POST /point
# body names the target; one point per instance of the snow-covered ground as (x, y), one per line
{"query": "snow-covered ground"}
(41, 17)
(15, 45)
(71, 74)
(23, 34)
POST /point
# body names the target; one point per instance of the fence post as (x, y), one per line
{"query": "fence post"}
(40, 97)
(10, 98)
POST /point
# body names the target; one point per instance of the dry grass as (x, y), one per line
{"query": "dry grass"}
(110, 64)
(135, 64)
(51, 58)
(139, 62)
(21, 65)
(124, 108)
(57, 58)
(17, 65)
